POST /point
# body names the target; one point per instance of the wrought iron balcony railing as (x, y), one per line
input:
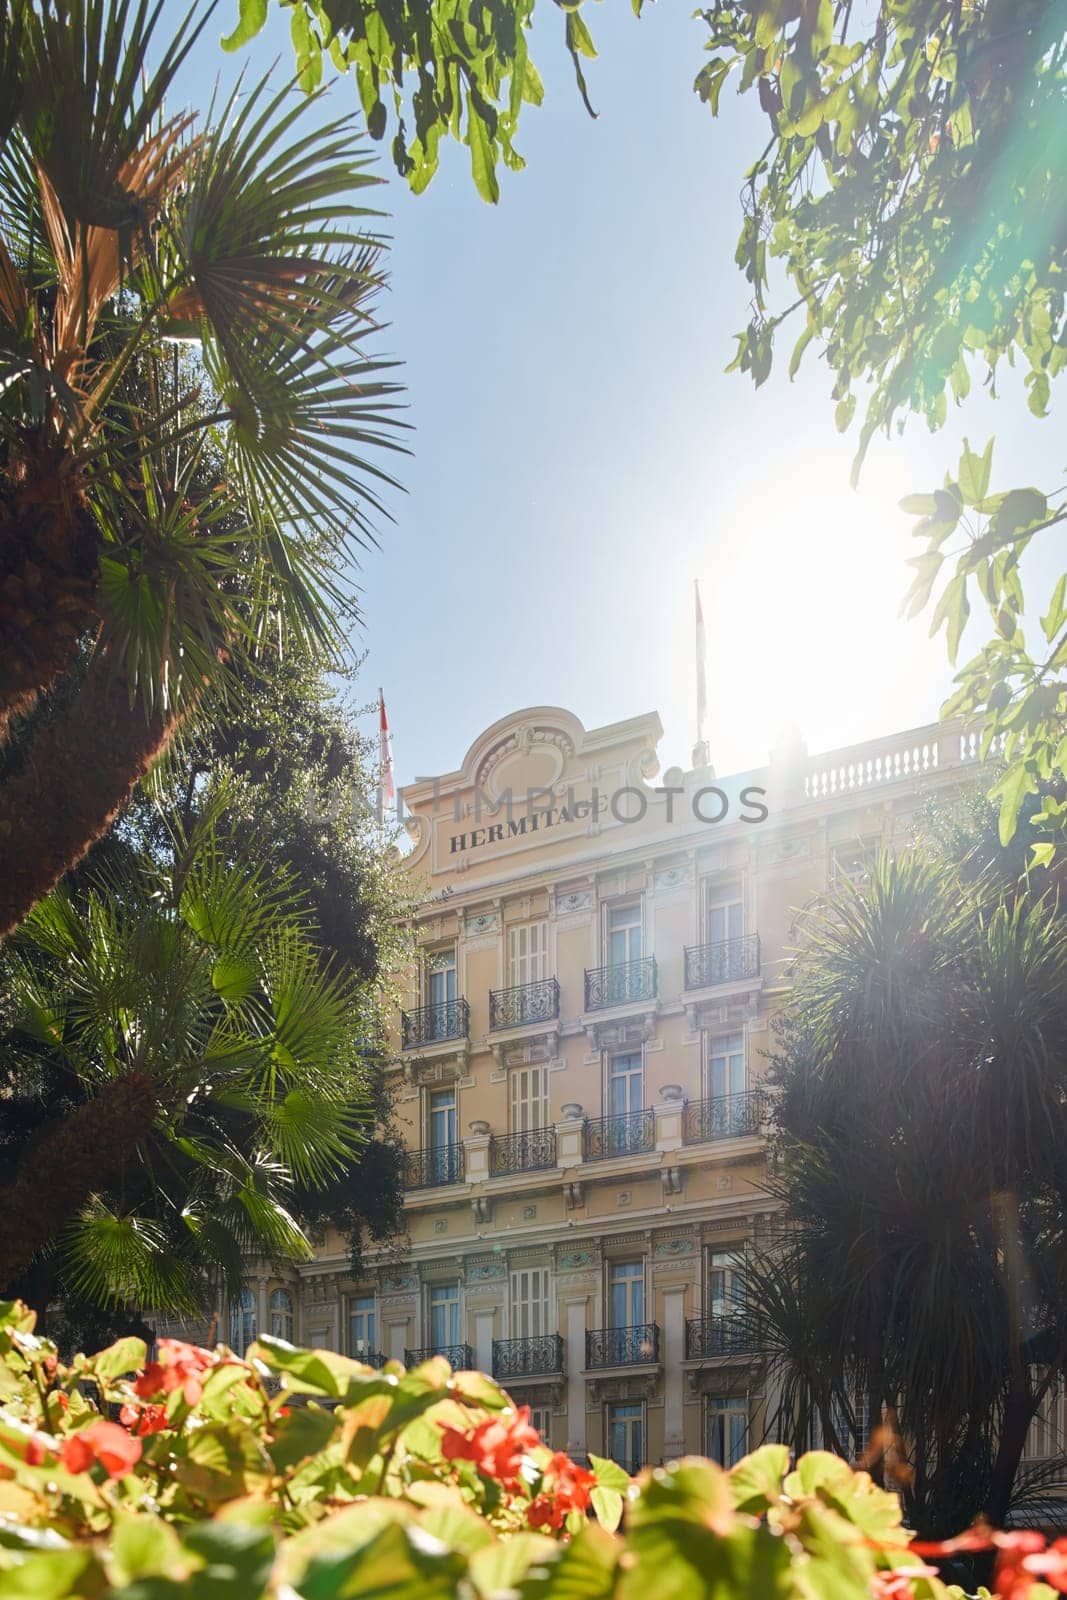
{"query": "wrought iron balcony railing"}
(724, 961)
(523, 1003)
(425, 1169)
(620, 985)
(720, 1335)
(369, 1357)
(627, 1135)
(728, 1116)
(459, 1356)
(637, 1346)
(435, 1024)
(522, 1152)
(528, 1358)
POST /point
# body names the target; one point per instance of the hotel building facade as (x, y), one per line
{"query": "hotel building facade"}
(600, 951)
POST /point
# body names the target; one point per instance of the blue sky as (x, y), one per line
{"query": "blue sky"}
(580, 455)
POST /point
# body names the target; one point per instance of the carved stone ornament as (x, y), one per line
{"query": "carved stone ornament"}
(679, 1245)
(574, 900)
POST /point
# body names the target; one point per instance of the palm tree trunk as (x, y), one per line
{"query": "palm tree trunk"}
(79, 770)
(62, 1167)
(1022, 1406)
(49, 575)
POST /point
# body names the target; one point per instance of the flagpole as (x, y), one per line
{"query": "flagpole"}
(701, 754)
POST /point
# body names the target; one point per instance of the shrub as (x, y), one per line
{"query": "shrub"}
(302, 1475)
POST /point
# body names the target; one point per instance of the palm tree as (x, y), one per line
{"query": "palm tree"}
(185, 1059)
(921, 1125)
(158, 510)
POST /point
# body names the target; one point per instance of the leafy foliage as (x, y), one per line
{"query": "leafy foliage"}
(921, 1273)
(432, 69)
(903, 191)
(303, 1473)
(173, 1031)
(162, 518)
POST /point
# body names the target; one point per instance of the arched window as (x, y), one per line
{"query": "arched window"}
(281, 1315)
(242, 1322)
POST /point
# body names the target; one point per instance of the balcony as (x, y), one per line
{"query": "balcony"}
(459, 1356)
(724, 961)
(631, 1134)
(522, 1152)
(369, 1357)
(621, 985)
(707, 1337)
(637, 1346)
(524, 1004)
(541, 1357)
(728, 1116)
(427, 1169)
(435, 1024)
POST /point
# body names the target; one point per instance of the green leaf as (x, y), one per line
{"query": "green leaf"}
(1056, 615)
(1011, 790)
(953, 608)
(609, 1473)
(125, 1355)
(499, 1569)
(1019, 509)
(1042, 855)
(608, 1504)
(253, 16)
(483, 161)
(401, 1563)
(583, 1569)
(919, 505)
(974, 473)
(756, 1481)
(142, 1546)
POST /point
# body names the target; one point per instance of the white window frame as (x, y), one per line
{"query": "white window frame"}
(610, 1077)
(721, 894)
(727, 1406)
(609, 1286)
(446, 1283)
(640, 1416)
(529, 965)
(538, 1305)
(436, 960)
(718, 1038)
(282, 1314)
(360, 1300)
(528, 1098)
(635, 902)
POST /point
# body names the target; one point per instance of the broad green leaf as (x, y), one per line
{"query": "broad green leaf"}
(583, 1569)
(124, 1356)
(141, 1546)
(608, 1504)
(974, 472)
(401, 1563)
(498, 1570)
(756, 1481)
(1011, 790)
(1019, 509)
(483, 160)
(609, 1474)
(252, 18)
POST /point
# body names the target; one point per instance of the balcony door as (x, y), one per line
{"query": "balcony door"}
(529, 1303)
(626, 1436)
(441, 990)
(725, 916)
(528, 1099)
(626, 1084)
(442, 1129)
(624, 934)
(626, 1293)
(725, 1070)
(527, 954)
(362, 1327)
(444, 1315)
(726, 1283)
(727, 1423)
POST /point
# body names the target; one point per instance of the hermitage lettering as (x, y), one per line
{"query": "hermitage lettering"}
(541, 818)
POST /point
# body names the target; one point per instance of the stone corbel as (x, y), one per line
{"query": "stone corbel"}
(673, 1182)
(482, 1209)
(574, 1195)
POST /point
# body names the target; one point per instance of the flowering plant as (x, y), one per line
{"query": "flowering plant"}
(303, 1475)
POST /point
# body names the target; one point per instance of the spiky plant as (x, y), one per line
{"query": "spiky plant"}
(176, 1022)
(159, 511)
(921, 1128)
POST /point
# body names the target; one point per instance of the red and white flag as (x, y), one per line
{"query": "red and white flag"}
(385, 751)
(702, 655)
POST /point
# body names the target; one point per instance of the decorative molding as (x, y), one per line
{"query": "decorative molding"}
(483, 1271)
(671, 878)
(481, 1209)
(482, 923)
(572, 901)
(574, 1196)
(673, 1181)
(613, 1390)
(576, 1259)
(520, 742)
(623, 1032)
(399, 1283)
(678, 1245)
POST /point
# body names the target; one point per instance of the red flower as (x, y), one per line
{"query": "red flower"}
(565, 1487)
(979, 1537)
(896, 1585)
(1011, 1580)
(144, 1420)
(101, 1441)
(1050, 1565)
(35, 1452)
(180, 1366)
(496, 1447)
